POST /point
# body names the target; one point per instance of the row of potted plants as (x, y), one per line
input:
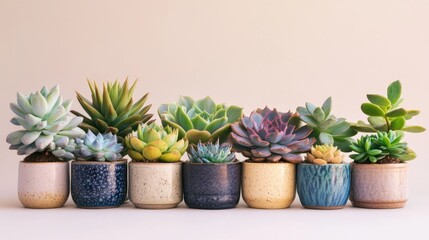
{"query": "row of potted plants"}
(287, 152)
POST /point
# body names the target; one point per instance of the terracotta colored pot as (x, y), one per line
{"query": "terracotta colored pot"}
(156, 185)
(43, 184)
(323, 186)
(379, 185)
(211, 185)
(99, 184)
(268, 185)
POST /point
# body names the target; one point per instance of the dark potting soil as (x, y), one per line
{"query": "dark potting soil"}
(41, 157)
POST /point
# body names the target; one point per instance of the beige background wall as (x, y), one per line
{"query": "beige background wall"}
(248, 53)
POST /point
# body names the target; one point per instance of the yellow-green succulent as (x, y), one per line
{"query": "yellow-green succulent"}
(324, 154)
(151, 143)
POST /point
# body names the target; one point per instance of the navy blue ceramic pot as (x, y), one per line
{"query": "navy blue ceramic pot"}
(99, 184)
(323, 186)
(211, 185)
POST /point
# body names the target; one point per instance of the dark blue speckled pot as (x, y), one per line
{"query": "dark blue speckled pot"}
(323, 186)
(99, 184)
(211, 185)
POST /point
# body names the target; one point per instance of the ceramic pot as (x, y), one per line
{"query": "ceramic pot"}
(43, 184)
(211, 185)
(323, 186)
(156, 185)
(268, 185)
(379, 185)
(99, 184)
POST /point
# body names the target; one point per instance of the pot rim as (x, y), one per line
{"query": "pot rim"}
(267, 163)
(56, 162)
(225, 163)
(121, 161)
(329, 164)
(155, 163)
(380, 166)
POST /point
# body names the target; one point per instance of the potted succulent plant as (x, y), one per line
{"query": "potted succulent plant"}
(273, 142)
(155, 169)
(202, 120)
(323, 180)
(47, 134)
(211, 177)
(379, 171)
(99, 175)
(113, 110)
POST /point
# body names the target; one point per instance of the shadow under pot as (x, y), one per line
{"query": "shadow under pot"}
(379, 185)
(99, 184)
(43, 184)
(156, 185)
(211, 185)
(323, 186)
(268, 185)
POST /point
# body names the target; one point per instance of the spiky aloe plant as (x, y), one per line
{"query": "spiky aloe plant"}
(202, 120)
(268, 135)
(100, 147)
(154, 143)
(324, 154)
(112, 109)
(381, 147)
(327, 129)
(211, 153)
(48, 126)
(385, 113)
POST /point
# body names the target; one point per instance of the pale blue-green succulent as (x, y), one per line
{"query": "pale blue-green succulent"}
(47, 124)
(100, 147)
(211, 153)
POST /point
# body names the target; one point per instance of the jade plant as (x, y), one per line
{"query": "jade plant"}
(211, 153)
(100, 147)
(151, 143)
(112, 109)
(324, 154)
(385, 114)
(200, 120)
(271, 136)
(48, 128)
(327, 129)
(389, 122)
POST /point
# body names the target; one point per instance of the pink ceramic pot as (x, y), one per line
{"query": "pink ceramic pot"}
(379, 185)
(43, 184)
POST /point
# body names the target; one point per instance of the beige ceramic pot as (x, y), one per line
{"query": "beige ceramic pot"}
(379, 185)
(43, 184)
(155, 185)
(268, 185)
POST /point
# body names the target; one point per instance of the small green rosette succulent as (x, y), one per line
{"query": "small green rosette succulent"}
(211, 153)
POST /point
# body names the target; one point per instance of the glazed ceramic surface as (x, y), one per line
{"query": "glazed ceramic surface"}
(211, 185)
(43, 184)
(379, 185)
(156, 185)
(268, 185)
(323, 186)
(99, 184)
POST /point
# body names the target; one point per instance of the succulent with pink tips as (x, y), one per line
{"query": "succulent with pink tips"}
(272, 136)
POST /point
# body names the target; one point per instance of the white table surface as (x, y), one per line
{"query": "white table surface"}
(127, 222)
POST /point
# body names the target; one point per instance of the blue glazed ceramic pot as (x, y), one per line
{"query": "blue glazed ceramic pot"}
(323, 186)
(211, 185)
(99, 184)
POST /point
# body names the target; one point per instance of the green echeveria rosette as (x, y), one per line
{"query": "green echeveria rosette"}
(211, 153)
(152, 143)
(327, 129)
(113, 110)
(100, 147)
(202, 120)
(47, 124)
(381, 147)
(268, 135)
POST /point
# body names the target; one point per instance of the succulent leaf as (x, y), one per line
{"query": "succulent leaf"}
(211, 153)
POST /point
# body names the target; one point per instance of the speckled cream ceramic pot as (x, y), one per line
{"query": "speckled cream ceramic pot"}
(268, 185)
(156, 185)
(43, 184)
(379, 185)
